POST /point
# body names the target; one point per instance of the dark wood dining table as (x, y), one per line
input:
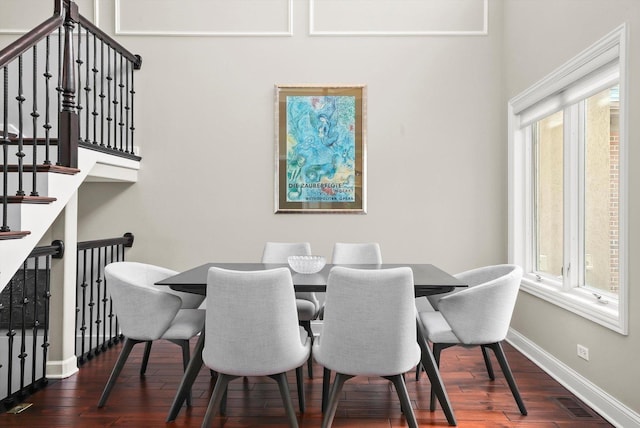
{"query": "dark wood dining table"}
(428, 280)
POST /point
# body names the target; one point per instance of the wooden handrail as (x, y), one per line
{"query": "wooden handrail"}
(29, 40)
(135, 59)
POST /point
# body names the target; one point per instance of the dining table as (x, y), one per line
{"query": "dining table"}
(428, 280)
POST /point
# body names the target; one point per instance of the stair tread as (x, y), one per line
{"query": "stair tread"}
(42, 168)
(26, 199)
(14, 235)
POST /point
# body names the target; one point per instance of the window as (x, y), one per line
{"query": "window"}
(567, 184)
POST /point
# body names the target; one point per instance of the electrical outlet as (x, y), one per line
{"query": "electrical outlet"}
(583, 352)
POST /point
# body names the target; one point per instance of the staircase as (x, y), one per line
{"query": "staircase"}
(66, 117)
(55, 186)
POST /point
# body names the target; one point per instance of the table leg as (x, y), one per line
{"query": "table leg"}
(430, 367)
(187, 379)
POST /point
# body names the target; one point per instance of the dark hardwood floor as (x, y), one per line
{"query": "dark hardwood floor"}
(366, 402)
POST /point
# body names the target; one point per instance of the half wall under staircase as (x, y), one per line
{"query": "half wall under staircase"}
(37, 218)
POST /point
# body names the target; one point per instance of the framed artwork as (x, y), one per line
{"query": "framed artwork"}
(320, 149)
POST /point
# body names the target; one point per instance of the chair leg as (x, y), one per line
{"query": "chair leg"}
(307, 327)
(506, 370)
(437, 348)
(283, 385)
(405, 402)
(186, 356)
(332, 404)
(419, 370)
(487, 362)
(326, 386)
(216, 398)
(145, 358)
(300, 384)
(122, 359)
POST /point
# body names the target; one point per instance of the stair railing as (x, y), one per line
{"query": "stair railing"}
(78, 92)
(96, 324)
(24, 326)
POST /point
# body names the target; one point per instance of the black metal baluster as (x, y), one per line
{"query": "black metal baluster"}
(34, 345)
(91, 305)
(20, 154)
(98, 300)
(11, 337)
(102, 95)
(87, 88)
(112, 335)
(128, 149)
(5, 152)
(47, 120)
(95, 91)
(83, 327)
(105, 299)
(115, 101)
(133, 94)
(122, 102)
(23, 313)
(109, 101)
(47, 298)
(35, 115)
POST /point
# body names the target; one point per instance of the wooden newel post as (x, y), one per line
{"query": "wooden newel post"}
(69, 122)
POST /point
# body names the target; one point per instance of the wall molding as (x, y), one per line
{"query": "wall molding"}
(120, 30)
(96, 18)
(314, 31)
(595, 397)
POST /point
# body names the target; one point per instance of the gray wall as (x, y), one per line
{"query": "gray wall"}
(436, 147)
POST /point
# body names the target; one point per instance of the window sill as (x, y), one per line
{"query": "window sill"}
(578, 301)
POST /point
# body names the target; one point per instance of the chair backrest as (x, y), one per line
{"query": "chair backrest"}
(369, 322)
(144, 273)
(346, 253)
(278, 252)
(482, 313)
(252, 323)
(144, 312)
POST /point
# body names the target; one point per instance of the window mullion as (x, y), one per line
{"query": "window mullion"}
(581, 192)
(571, 197)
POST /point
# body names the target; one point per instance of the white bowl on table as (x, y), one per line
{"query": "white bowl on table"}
(306, 264)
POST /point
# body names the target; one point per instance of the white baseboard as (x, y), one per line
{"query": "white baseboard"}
(599, 400)
(62, 369)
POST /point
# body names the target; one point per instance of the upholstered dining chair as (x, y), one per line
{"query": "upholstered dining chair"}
(145, 273)
(347, 253)
(146, 313)
(307, 303)
(252, 330)
(477, 316)
(354, 253)
(369, 329)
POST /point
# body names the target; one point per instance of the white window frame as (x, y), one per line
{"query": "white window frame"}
(602, 64)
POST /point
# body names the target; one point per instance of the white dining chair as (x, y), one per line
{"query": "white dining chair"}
(146, 313)
(307, 303)
(252, 330)
(349, 253)
(370, 330)
(346, 253)
(145, 273)
(477, 316)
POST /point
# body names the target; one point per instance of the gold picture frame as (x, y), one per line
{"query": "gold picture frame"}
(320, 149)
